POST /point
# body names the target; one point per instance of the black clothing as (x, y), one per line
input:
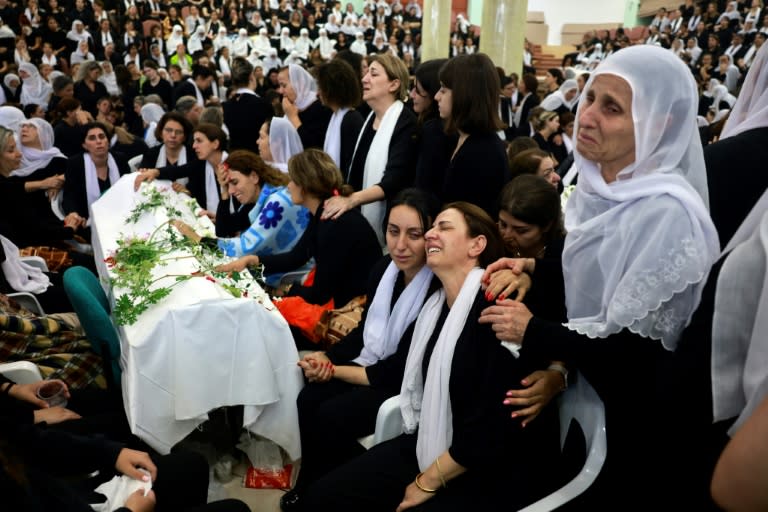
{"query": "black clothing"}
(186, 88)
(731, 163)
(351, 125)
(314, 122)
(435, 149)
(162, 89)
(486, 441)
(401, 158)
(150, 157)
(244, 114)
(232, 218)
(89, 98)
(75, 195)
(344, 249)
(69, 139)
(477, 173)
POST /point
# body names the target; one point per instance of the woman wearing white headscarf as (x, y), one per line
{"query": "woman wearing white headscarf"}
(563, 99)
(272, 61)
(221, 40)
(11, 118)
(109, 79)
(195, 43)
(639, 247)
(303, 44)
(151, 113)
(301, 105)
(358, 45)
(241, 46)
(332, 26)
(286, 43)
(78, 32)
(278, 142)
(349, 27)
(12, 83)
(325, 44)
(33, 88)
(174, 39)
(37, 150)
(261, 43)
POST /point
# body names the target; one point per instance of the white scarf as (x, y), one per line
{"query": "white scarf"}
(162, 159)
(92, 190)
(384, 327)
(332, 144)
(20, 276)
(198, 93)
(376, 162)
(212, 194)
(431, 396)
(740, 322)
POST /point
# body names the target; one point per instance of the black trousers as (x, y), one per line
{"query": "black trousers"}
(332, 416)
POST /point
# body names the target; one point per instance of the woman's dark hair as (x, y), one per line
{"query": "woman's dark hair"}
(527, 162)
(474, 85)
(339, 83)
(426, 204)
(315, 172)
(557, 74)
(567, 117)
(427, 74)
(177, 117)
(247, 162)
(61, 82)
(213, 133)
(480, 223)
(533, 200)
(123, 77)
(353, 59)
(93, 125)
(531, 83)
(30, 109)
(518, 145)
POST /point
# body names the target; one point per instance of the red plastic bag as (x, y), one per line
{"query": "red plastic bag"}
(303, 315)
(265, 478)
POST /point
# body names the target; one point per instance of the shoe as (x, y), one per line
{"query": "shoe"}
(290, 501)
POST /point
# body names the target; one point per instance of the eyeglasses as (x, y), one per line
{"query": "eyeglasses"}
(171, 131)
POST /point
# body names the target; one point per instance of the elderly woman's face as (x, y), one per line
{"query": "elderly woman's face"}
(606, 132)
(29, 136)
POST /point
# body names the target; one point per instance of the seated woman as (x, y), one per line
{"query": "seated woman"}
(349, 382)
(276, 222)
(640, 244)
(384, 157)
(90, 174)
(301, 106)
(173, 131)
(344, 250)
(457, 439)
(468, 101)
(210, 143)
(537, 163)
(278, 142)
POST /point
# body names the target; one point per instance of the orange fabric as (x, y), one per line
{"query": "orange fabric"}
(299, 313)
(310, 279)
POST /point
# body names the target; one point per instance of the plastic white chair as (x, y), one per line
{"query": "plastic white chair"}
(389, 423)
(21, 372)
(581, 403)
(28, 301)
(35, 261)
(134, 162)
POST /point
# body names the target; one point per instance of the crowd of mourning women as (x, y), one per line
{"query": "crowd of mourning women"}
(607, 223)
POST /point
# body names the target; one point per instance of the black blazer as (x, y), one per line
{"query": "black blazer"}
(75, 197)
(150, 157)
(314, 123)
(185, 88)
(244, 114)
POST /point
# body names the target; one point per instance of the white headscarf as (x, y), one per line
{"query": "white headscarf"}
(195, 43)
(151, 113)
(174, 39)
(109, 79)
(303, 44)
(241, 46)
(221, 40)
(262, 43)
(304, 84)
(284, 142)
(286, 43)
(74, 35)
(33, 159)
(35, 89)
(324, 44)
(751, 108)
(11, 118)
(638, 250)
(358, 45)
(272, 60)
(557, 98)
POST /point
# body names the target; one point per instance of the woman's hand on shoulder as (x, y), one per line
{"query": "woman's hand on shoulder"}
(334, 207)
(506, 283)
(540, 388)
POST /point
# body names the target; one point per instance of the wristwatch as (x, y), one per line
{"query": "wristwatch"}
(562, 370)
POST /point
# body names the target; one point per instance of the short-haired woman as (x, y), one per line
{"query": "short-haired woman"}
(383, 160)
(468, 101)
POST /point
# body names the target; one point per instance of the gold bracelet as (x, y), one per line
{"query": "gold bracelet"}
(422, 488)
(440, 472)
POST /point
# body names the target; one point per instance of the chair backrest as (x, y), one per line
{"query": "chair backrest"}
(21, 372)
(92, 308)
(581, 403)
(389, 423)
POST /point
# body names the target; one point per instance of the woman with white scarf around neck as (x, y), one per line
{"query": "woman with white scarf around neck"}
(90, 174)
(383, 161)
(639, 247)
(365, 368)
(457, 438)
